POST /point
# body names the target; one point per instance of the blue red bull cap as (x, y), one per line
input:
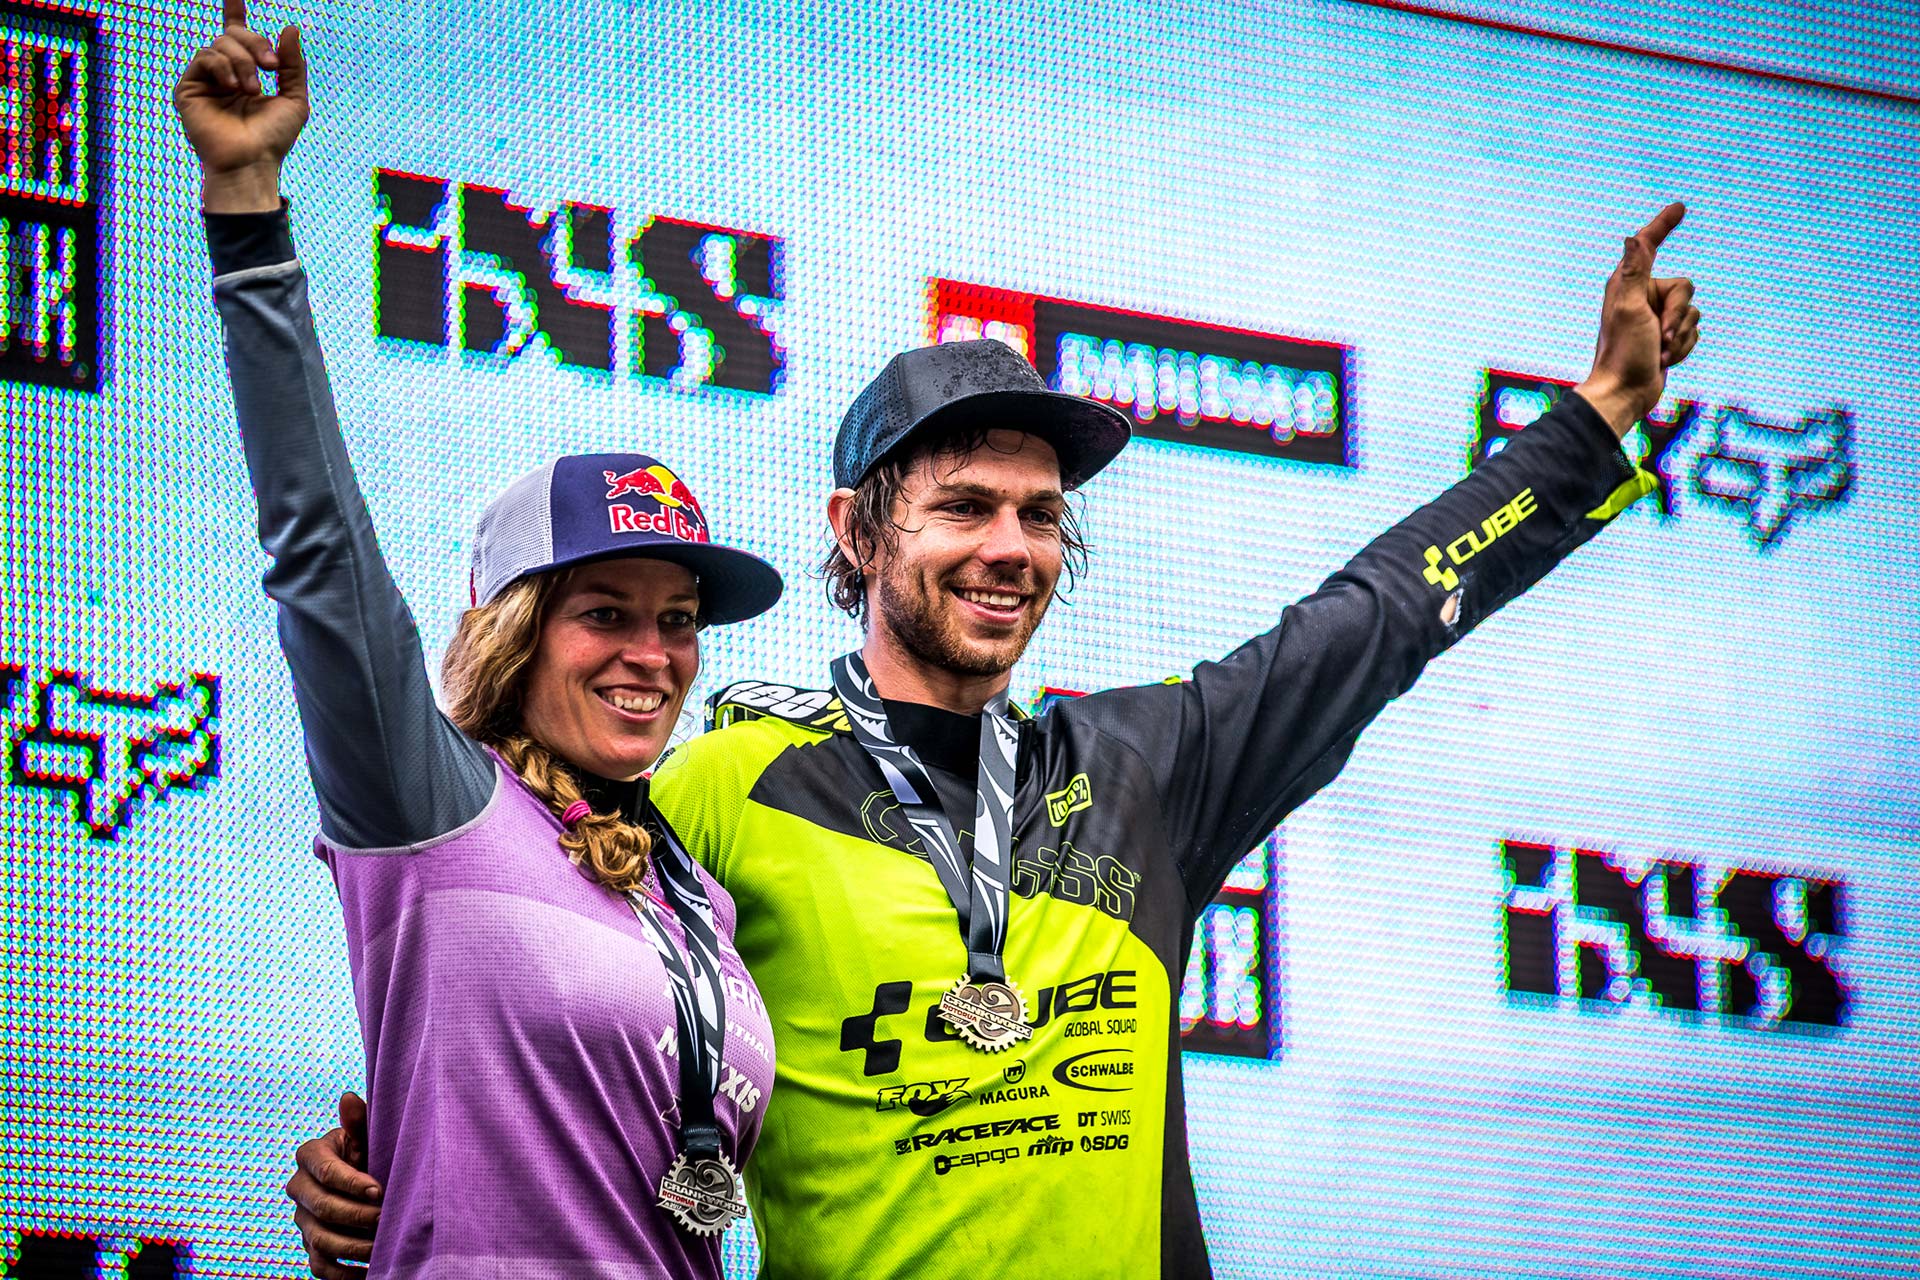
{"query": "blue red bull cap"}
(599, 506)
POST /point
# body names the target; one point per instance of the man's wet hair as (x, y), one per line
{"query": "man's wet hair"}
(871, 526)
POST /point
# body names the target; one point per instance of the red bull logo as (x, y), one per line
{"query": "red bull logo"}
(679, 515)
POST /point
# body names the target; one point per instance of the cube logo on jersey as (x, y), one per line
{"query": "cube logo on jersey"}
(478, 269)
(49, 228)
(1695, 936)
(1200, 384)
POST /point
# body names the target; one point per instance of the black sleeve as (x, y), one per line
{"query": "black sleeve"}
(1252, 736)
(389, 769)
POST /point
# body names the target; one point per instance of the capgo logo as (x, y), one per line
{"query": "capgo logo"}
(1474, 541)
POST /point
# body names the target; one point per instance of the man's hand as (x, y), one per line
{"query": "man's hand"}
(1647, 325)
(239, 132)
(339, 1205)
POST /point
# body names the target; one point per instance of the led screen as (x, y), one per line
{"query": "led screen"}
(1597, 960)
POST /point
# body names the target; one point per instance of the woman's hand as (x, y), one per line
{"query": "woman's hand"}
(239, 132)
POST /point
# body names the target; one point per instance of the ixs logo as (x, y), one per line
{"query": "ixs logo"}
(1699, 937)
(112, 751)
(1471, 543)
(1097, 1071)
(984, 1131)
(1073, 798)
(469, 267)
(923, 1098)
(49, 223)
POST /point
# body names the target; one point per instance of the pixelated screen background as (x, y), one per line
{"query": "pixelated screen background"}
(1599, 957)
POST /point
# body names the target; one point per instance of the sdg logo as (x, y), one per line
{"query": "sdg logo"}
(466, 266)
(49, 255)
(1694, 937)
(1200, 384)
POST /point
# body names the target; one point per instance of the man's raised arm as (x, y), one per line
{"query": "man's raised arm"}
(1252, 736)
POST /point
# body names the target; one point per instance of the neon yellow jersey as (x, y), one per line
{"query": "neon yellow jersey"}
(890, 1147)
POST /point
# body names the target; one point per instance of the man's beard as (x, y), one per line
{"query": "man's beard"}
(934, 637)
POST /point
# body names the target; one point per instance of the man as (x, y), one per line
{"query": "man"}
(969, 926)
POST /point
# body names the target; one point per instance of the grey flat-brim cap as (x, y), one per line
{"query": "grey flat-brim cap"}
(981, 383)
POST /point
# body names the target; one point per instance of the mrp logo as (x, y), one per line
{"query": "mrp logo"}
(468, 267)
(925, 1098)
(112, 752)
(677, 516)
(1474, 541)
(1069, 800)
(49, 228)
(1704, 938)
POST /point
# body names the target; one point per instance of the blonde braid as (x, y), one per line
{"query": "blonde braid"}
(482, 674)
(611, 849)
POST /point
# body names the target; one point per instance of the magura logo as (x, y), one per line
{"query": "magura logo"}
(51, 170)
(1474, 541)
(1076, 796)
(923, 1098)
(1097, 1071)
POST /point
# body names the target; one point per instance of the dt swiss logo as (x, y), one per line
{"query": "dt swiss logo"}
(678, 514)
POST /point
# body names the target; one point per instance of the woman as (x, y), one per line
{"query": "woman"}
(537, 966)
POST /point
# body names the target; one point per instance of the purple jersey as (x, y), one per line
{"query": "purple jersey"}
(520, 1056)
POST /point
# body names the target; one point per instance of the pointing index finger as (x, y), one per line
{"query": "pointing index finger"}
(1654, 233)
(233, 13)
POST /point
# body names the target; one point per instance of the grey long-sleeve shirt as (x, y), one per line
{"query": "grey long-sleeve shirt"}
(388, 767)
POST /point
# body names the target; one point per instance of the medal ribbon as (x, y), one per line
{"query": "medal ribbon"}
(979, 891)
(699, 994)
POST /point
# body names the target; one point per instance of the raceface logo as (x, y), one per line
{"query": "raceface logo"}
(1069, 800)
(1474, 541)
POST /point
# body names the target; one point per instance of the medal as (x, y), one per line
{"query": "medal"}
(701, 1189)
(704, 1194)
(990, 1016)
(984, 1008)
